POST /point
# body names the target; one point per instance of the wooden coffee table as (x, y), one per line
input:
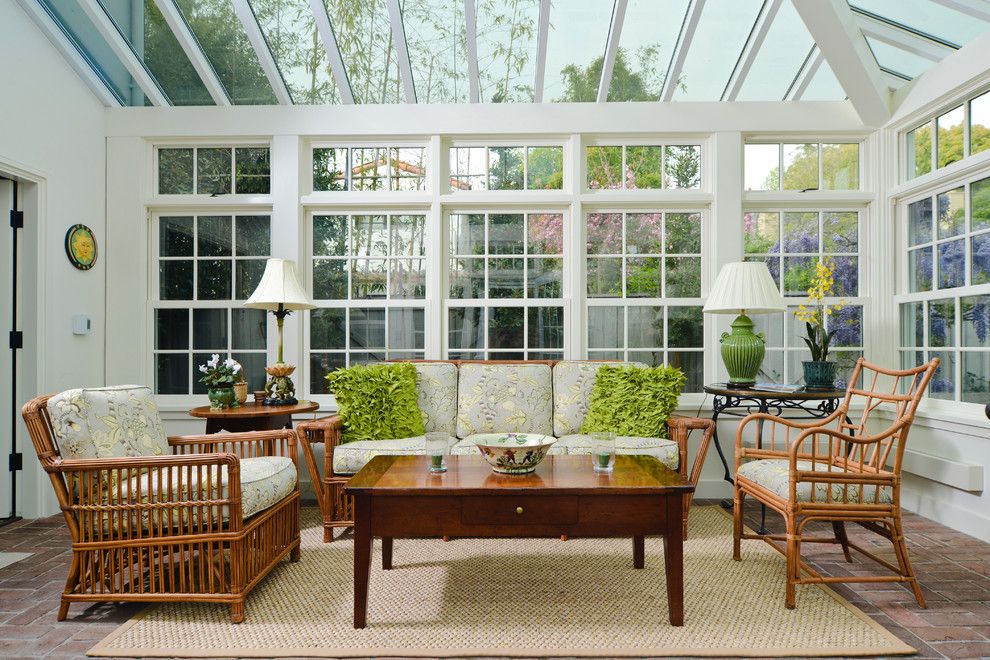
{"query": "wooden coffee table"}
(396, 496)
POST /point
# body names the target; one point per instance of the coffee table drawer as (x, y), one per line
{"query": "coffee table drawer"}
(520, 510)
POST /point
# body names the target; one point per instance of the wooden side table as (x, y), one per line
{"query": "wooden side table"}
(740, 402)
(252, 417)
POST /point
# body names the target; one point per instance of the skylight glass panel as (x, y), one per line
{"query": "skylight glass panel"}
(290, 32)
(226, 45)
(364, 36)
(152, 40)
(507, 49)
(824, 86)
(83, 34)
(576, 49)
(927, 16)
(649, 33)
(899, 61)
(437, 45)
(776, 64)
(722, 31)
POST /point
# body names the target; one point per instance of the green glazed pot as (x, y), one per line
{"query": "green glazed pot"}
(222, 398)
(819, 375)
(742, 352)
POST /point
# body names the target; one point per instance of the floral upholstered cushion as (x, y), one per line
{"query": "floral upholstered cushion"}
(350, 457)
(573, 381)
(504, 398)
(107, 422)
(774, 475)
(436, 386)
(466, 447)
(265, 481)
(665, 451)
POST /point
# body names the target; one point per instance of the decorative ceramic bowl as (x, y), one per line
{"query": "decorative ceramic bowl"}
(514, 453)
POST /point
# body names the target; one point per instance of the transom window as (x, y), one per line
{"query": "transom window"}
(802, 166)
(960, 132)
(214, 170)
(207, 266)
(631, 166)
(507, 168)
(393, 168)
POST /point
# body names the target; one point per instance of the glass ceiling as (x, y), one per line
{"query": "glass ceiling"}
(391, 51)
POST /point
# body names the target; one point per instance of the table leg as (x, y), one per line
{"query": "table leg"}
(213, 426)
(673, 559)
(386, 553)
(716, 404)
(362, 558)
(639, 551)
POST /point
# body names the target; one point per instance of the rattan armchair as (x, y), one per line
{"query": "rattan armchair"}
(178, 527)
(834, 470)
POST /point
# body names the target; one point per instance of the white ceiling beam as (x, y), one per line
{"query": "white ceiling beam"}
(903, 39)
(611, 48)
(250, 22)
(74, 58)
(976, 8)
(805, 74)
(752, 48)
(401, 51)
(329, 40)
(108, 29)
(191, 47)
(471, 31)
(688, 27)
(833, 27)
(542, 32)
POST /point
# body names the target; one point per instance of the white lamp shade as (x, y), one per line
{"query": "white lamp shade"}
(279, 286)
(744, 286)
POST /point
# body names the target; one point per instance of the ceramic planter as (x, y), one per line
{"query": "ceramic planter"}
(819, 375)
(222, 398)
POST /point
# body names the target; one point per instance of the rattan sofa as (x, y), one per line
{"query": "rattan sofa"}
(466, 397)
(194, 518)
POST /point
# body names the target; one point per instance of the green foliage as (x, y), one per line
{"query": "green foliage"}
(582, 81)
(377, 402)
(633, 401)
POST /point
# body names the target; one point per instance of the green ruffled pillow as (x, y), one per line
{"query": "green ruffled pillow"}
(633, 401)
(377, 402)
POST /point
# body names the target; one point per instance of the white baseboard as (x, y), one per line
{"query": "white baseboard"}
(967, 521)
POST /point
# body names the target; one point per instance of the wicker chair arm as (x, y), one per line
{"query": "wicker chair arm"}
(326, 430)
(795, 453)
(680, 429)
(248, 444)
(144, 462)
(742, 450)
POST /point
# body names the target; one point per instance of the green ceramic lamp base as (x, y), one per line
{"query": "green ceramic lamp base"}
(742, 352)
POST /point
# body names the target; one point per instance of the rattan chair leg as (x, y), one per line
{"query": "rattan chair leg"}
(237, 612)
(738, 499)
(793, 564)
(900, 549)
(839, 527)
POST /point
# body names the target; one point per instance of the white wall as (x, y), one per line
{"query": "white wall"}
(52, 130)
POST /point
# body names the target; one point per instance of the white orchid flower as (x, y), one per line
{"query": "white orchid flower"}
(203, 369)
(230, 364)
(214, 361)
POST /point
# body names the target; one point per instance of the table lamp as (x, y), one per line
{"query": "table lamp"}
(741, 288)
(279, 292)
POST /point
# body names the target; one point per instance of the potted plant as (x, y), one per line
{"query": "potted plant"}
(219, 378)
(819, 372)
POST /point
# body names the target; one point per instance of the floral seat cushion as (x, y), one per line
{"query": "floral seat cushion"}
(436, 388)
(504, 398)
(665, 451)
(107, 422)
(265, 481)
(774, 475)
(466, 447)
(350, 457)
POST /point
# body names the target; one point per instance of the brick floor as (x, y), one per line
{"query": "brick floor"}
(954, 570)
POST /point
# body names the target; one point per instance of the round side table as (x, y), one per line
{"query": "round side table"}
(252, 417)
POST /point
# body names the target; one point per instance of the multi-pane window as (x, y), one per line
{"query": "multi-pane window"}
(959, 132)
(636, 263)
(369, 283)
(369, 168)
(942, 238)
(507, 168)
(505, 285)
(214, 170)
(613, 167)
(791, 244)
(957, 331)
(207, 265)
(802, 166)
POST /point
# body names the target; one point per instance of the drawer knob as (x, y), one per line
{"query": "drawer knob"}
(519, 510)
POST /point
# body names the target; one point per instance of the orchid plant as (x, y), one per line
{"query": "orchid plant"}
(219, 374)
(816, 311)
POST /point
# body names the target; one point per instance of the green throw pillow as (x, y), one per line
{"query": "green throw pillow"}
(633, 401)
(377, 402)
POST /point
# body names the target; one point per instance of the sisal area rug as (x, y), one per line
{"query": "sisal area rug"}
(519, 597)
